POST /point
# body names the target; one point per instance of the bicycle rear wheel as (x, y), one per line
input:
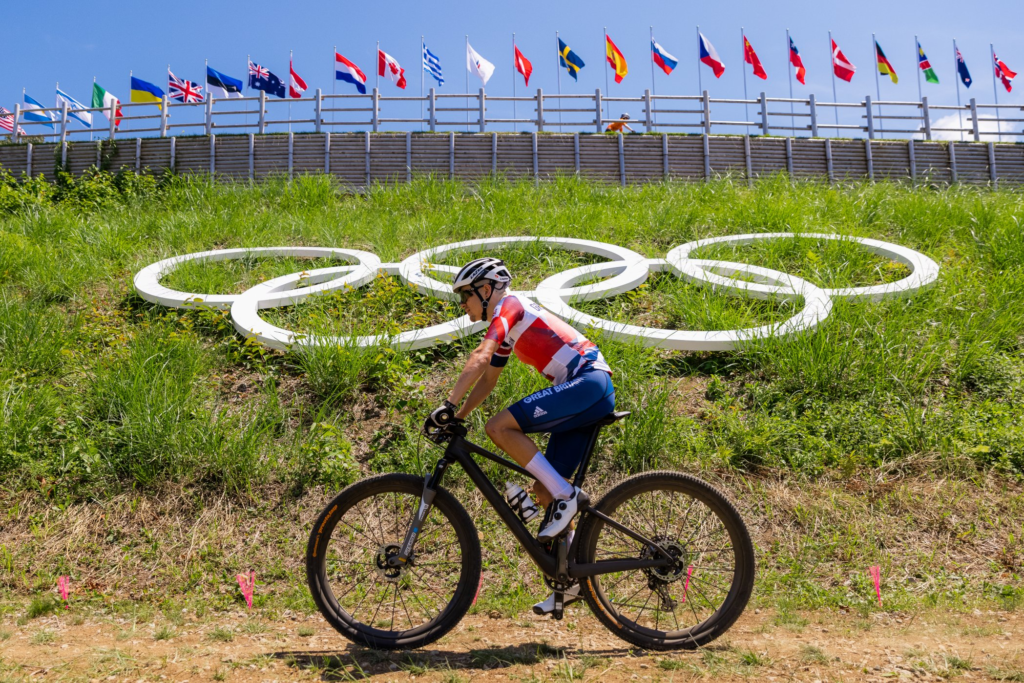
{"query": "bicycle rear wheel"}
(384, 607)
(678, 607)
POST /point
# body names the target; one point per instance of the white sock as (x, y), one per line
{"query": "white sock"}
(543, 472)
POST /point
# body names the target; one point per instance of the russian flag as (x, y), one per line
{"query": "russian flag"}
(663, 59)
(709, 56)
(345, 70)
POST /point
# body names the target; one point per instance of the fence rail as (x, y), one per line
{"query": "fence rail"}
(367, 158)
(806, 118)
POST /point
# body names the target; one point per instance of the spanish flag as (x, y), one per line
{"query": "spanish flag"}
(146, 92)
(884, 67)
(615, 59)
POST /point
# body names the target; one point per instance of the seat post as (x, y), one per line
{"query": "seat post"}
(581, 471)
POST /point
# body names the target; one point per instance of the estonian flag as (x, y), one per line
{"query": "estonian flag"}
(221, 86)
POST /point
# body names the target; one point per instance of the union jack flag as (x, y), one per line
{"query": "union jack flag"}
(7, 122)
(182, 90)
(258, 71)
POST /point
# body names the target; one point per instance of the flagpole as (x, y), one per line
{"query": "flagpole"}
(467, 83)
(746, 107)
(94, 87)
(878, 88)
(607, 88)
(917, 60)
(959, 113)
(377, 86)
(423, 75)
(700, 86)
(248, 61)
(789, 68)
(558, 70)
(334, 79)
(654, 91)
(995, 92)
(290, 55)
(835, 98)
(515, 125)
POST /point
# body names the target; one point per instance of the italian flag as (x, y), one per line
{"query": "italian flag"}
(101, 98)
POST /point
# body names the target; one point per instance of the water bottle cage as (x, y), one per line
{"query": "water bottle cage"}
(527, 512)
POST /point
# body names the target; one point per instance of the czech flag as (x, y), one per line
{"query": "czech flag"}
(662, 58)
(345, 70)
(615, 59)
(797, 62)
(388, 66)
(709, 56)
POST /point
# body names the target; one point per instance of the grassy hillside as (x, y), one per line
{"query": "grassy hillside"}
(104, 397)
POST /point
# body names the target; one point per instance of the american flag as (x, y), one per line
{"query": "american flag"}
(7, 122)
(182, 90)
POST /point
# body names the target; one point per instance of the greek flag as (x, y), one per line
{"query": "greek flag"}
(432, 65)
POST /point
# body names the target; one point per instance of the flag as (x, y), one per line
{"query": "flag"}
(523, 65)
(841, 66)
(797, 62)
(33, 111)
(345, 70)
(926, 66)
(183, 90)
(296, 86)
(662, 58)
(432, 65)
(7, 122)
(709, 56)
(143, 91)
(101, 98)
(750, 57)
(884, 67)
(389, 66)
(75, 108)
(1003, 72)
(569, 59)
(222, 86)
(261, 78)
(961, 68)
(477, 65)
(615, 59)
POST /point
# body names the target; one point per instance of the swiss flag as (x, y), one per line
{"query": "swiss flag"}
(842, 67)
(388, 66)
(523, 66)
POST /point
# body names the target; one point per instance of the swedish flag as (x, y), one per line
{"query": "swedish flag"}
(569, 59)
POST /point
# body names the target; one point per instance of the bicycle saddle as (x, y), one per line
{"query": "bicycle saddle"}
(613, 417)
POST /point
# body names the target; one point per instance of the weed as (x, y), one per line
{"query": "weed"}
(813, 655)
(220, 675)
(5, 634)
(43, 637)
(164, 633)
(752, 659)
(306, 631)
(221, 635)
(41, 606)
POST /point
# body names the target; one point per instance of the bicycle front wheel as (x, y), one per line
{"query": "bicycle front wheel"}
(679, 607)
(384, 607)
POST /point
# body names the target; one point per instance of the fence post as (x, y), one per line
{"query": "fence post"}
(64, 155)
(432, 105)
(707, 155)
(707, 115)
(209, 114)
(174, 153)
(28, 159)
(913, 161)
(992, 165)
(318, 109)
(112, 120)
(366, 153)
(408, 156)
(622, 161)
(163, 118)
(536, 165)
(953, 175)
(870, 160)
(813, 105)
(291, 153)
(327, 153)
(213, 154)
(664, 155)
(598, 123)
(576, 151)
(764, 114)
(64, 122)
(263, 112)
(647, 110)
(540, 110)
(252, 156)
(871, 119)
(482, 97)
(14, 128)
(375, 112)
(927, 118)
(828, 161)
(494, 153)
(974, 119)
(138, 154)
(99, 154)
(789, 157)
(747, 160)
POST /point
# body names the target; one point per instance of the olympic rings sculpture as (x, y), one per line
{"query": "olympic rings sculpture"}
(624, 270)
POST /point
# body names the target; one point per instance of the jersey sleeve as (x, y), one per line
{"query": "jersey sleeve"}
(509, 312)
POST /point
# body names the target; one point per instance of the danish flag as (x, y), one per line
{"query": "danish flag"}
(842, 67)
(183, 90)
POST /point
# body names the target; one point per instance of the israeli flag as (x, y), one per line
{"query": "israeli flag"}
(33, 111)
(432, 65)
(76, 109)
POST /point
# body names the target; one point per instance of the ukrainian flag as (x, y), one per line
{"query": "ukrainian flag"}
(569, 59)
(146, 92)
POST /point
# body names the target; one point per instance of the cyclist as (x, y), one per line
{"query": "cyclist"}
(582, 391)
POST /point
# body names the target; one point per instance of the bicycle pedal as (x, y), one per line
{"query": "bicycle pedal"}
(559, 607)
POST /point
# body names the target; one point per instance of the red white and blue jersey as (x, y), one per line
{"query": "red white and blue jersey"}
(540, 339)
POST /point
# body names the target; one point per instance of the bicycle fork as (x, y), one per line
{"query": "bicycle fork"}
(430, 484)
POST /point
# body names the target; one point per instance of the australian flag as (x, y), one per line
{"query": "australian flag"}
(262, 79)
(961, 68)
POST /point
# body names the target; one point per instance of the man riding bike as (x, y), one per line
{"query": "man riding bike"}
(581, 395)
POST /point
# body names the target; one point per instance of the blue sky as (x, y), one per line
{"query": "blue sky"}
(104, 39)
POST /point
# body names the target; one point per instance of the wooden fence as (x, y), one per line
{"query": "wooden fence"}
(362, 159)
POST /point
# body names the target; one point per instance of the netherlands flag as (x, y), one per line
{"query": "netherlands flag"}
(662, 58)
(709, 56)
(345, 70)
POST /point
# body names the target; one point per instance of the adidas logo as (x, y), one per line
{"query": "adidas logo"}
(539, 412)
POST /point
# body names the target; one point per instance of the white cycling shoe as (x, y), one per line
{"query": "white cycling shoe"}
(565, 510)
(548, 606)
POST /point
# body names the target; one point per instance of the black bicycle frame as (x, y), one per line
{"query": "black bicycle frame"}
(461, 451)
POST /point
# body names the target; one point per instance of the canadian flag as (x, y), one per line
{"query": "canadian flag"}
(296, 86)
(389, 66)
(841, 65)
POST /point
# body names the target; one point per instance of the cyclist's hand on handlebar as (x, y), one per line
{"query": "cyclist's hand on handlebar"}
(441, 417)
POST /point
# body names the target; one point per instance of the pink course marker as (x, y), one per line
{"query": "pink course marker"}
(247, 584)
(686, 586)
(64, 586)
(876, 575)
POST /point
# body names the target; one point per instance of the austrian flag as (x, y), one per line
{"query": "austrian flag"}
(389, 66)
(296, 86)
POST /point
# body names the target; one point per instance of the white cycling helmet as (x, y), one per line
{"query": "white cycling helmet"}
(483, 270)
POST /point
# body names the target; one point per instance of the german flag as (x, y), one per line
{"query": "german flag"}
(884, 67)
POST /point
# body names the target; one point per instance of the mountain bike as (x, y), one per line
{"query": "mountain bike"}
(664, 559)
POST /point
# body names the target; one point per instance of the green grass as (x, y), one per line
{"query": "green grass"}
(104, 395)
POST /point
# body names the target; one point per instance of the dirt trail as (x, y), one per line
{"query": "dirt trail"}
(936, 645)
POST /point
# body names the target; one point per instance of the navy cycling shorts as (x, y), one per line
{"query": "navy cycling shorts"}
(568, 412)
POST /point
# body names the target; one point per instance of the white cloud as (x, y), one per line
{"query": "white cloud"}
(986, 124)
